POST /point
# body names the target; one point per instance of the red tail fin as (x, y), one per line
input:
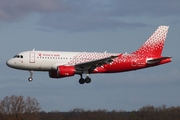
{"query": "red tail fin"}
(154, 45)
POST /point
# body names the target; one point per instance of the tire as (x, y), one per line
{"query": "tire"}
(88, 80)
(30, 79)
(81, 81)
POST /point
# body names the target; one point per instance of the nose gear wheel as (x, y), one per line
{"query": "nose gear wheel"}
(30, 79)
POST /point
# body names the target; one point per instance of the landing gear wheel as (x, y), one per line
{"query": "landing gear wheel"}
(81, 81)
(30, 79)
(87, 79)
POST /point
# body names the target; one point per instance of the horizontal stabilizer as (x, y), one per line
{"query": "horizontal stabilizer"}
(157, 60)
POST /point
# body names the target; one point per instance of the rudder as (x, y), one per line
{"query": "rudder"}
(154, 45)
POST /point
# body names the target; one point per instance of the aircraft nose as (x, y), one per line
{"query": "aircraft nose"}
(9, 63)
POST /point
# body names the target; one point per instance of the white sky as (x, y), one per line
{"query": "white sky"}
(82, 25)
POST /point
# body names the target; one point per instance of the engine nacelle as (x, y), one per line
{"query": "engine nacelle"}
(62, 71)
(65, 71)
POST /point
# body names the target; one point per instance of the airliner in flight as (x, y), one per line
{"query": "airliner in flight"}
(61, 64)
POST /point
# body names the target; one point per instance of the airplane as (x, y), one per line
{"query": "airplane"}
(60, 64)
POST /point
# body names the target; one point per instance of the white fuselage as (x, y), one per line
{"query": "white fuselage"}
(49, 60)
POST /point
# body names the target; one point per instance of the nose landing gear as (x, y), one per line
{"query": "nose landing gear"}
(30, 79)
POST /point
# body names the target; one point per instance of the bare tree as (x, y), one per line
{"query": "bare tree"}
(18, 108)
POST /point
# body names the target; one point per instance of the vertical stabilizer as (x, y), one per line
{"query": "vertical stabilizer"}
(154, 45)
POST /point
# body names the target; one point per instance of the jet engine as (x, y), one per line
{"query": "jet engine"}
(62, 71)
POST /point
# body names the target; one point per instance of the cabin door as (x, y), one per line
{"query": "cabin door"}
(31, 57)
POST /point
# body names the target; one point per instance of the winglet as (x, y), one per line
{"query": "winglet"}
(154, 45)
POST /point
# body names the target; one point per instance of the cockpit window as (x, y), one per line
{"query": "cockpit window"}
(14, 56)
(18, 56)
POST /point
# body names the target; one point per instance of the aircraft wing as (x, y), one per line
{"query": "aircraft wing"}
(91, 65)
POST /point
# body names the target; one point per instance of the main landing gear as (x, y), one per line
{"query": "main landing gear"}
(30, 79)
(86, 80)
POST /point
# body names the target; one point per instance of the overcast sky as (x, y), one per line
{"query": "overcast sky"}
(94, 26)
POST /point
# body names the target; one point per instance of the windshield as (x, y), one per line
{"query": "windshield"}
(18, 56)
